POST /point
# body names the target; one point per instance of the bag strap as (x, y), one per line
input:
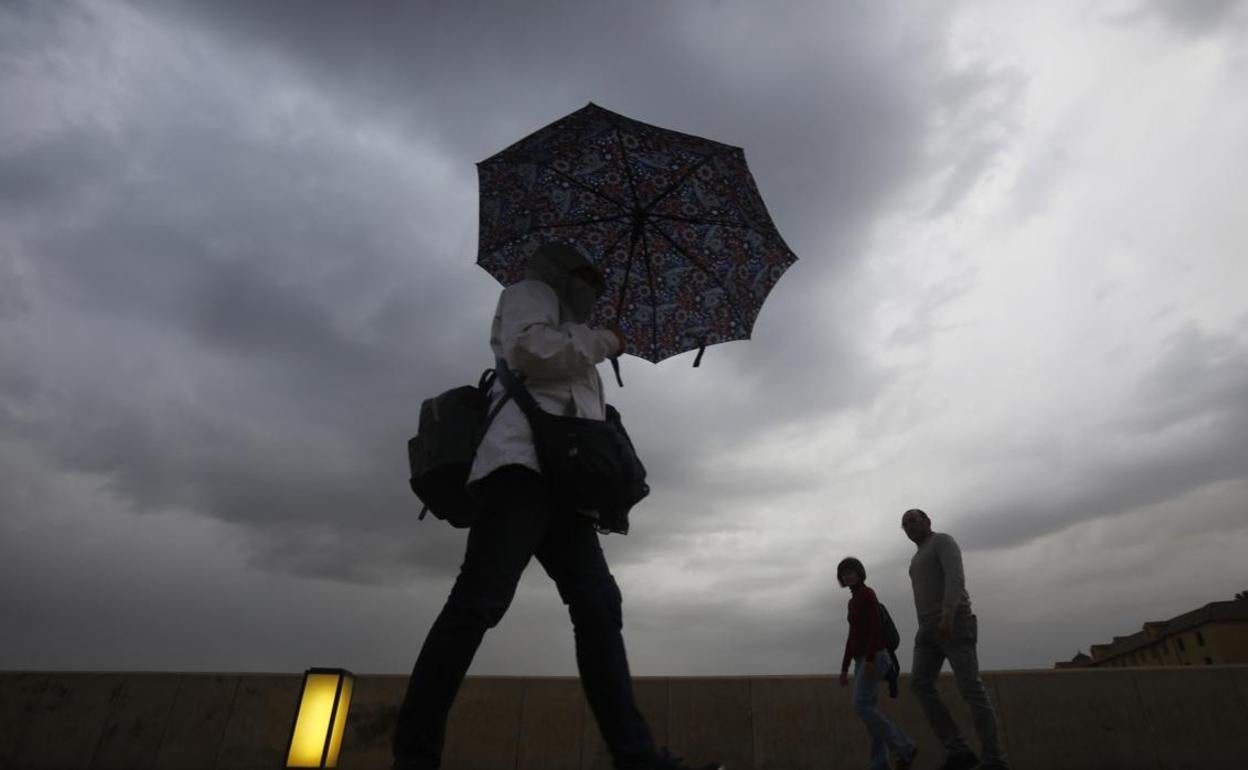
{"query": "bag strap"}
(485, 383)
(515, 389)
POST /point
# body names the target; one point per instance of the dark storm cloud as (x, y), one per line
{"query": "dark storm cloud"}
(1202, 376)
(47, 173)
(1194, 17)
(14, 297)
(1189, 429)
(254, 270)
(247, 304)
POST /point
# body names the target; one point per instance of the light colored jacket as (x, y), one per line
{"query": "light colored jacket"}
(559, 362)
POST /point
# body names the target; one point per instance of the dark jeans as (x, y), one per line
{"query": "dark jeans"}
(929, 655)
(522, 523)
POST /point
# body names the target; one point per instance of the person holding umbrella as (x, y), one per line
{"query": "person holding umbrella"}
(540, 330)
(610, 236)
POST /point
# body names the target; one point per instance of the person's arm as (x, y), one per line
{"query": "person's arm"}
(534, 341)
(851, 640)
(950, 557)
(849, 646)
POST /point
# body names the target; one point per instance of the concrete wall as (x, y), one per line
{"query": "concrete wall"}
(1134, 719)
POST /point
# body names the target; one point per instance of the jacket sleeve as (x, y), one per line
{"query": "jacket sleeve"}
(950, 557)
(534, 341)
(849, 641)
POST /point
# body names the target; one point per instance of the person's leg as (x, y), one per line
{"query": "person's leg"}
(897, 740)
(929, 656)
(572, 556)
(499, 548)
(884, 733)
(866, 692)
(964, 660)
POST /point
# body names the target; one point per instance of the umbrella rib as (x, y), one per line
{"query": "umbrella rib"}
(628, 172)
(654, 307)
(731, 297)
(628, 270)
(632, 246)
(683, 177)
(700, 221)
(599, 220)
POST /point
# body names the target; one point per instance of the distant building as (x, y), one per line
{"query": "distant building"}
(1214, 634)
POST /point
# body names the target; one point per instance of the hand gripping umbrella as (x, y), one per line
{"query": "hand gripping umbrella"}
(674, 223)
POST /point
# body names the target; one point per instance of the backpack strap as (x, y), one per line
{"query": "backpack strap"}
(485, 383)
(515, 389)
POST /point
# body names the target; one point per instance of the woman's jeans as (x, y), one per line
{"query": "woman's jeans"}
(884, 734)
(521, 523)
(930, 653)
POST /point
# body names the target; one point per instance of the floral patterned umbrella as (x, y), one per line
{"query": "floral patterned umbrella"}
(674, 222)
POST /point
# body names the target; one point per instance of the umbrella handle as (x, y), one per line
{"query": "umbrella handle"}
(698, 360)
(615, 366)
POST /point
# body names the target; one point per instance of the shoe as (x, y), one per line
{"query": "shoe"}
(966, 761)
(669, 762)
(906, 764)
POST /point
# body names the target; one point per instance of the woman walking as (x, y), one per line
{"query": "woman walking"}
(872, 664)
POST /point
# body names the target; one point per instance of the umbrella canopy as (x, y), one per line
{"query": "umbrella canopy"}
(673, 222)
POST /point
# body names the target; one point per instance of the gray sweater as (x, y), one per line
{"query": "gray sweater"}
(937, 578)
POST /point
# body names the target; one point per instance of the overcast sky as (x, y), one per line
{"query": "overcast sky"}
(237, 247)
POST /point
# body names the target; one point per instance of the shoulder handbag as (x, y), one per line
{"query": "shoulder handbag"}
(589, 465)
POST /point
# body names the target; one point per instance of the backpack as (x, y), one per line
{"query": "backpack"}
(440, 454)
(892, 639)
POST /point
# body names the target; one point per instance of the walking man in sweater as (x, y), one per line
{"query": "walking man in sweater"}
(948, 630)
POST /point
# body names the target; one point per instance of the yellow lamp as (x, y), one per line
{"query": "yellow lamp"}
(317, 735)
